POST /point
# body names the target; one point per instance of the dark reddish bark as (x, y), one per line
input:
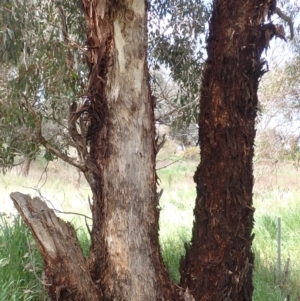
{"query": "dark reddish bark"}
(219, 263)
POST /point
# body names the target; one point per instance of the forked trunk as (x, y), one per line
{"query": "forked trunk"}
(219, 263)
(125, 261)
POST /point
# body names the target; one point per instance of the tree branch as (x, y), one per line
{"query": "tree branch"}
(79, 139)
(287, 19)
(59, 154)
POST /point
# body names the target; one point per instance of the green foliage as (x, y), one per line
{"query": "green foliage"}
(43, 71)
(177, 42)
(20, 262)
(42, 55)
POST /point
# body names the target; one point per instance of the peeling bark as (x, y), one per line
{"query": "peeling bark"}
(219, 262)
(125, 259)
(118, 161)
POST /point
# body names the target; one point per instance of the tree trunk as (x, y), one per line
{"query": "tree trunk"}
(66, 273)
(119, 163)
(125, 259)
(219, 263)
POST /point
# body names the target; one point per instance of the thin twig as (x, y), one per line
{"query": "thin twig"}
(169, 164)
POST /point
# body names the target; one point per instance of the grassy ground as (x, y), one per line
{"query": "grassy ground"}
(276, 195)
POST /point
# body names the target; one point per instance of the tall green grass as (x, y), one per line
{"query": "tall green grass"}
(19, 281)
(21, 265)
(20, 262)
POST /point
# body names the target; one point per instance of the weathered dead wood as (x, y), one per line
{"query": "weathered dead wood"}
(66, 273)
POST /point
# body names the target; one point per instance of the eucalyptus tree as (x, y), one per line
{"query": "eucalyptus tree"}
(43, 71)
(219, 262)
(43, 59)
(112, 129)
(177, 40)
(280, 93)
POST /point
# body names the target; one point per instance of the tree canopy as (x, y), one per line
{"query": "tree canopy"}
(43, 58)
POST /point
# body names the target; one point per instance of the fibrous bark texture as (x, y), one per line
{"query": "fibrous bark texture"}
(118, 160)
(125, 260)
(118, 155)
(219, 263)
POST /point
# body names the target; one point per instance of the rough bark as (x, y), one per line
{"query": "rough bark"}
(118, 160)
(66, 272)
(219, 262)
(125, 260)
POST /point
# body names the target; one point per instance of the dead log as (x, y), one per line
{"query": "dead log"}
(67, 276)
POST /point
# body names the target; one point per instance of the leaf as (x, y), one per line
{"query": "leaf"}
(4, 262)
(26, 255)
(10, 32)
(48, 156)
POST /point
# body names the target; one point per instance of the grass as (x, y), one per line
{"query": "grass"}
(279, 199)
(20, 262)
(276, 194)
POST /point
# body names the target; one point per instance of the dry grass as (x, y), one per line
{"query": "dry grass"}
(57, 185)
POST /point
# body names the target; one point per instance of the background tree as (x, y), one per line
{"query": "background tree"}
(278, 122)
(43, 73)
(177, 36)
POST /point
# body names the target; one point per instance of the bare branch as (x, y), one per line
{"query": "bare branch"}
(177, 109)
(59, 154)
(173, 162)
(287, 19)
(161, 143)
(79, 139)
